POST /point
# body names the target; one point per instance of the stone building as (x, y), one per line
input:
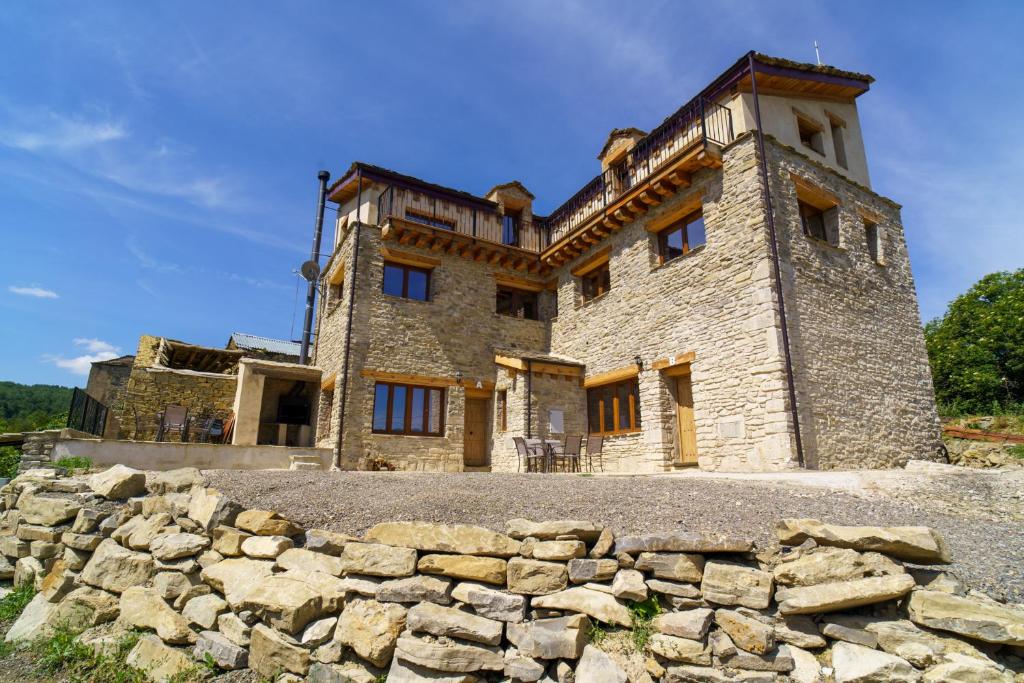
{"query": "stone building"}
(728, 292)
(268, 401)
(108, 384)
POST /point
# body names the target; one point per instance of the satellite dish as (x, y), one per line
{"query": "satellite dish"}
(310, 270)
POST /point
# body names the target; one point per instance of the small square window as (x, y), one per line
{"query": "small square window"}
(516, 303)
(810, 134)
(682, 237)
(873, 238)
(596, 282)
(813, 220)
(408, 282)
(838, 144)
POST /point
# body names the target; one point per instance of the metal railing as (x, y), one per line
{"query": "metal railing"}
(699, 121)
(86, 414)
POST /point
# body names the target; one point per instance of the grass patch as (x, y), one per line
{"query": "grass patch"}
(62, 655)
(14, 602)
(1017, 450)
(74, 462)
(641, 614)
(597, 634)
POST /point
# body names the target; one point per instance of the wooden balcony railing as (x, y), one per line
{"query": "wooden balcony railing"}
(694, 126)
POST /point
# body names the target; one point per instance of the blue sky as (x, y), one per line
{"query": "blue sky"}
(158, 160)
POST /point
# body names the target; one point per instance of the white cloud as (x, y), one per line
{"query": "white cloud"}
(97, 350)
(37, 292)
(56, 132)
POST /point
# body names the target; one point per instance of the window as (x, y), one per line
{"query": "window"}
(614, 408)
(596, 282)
(517, 303)
(510, 227)
(838, 144)
(874, 242)
(434, 221)
(813, 220)
(503, 410)
(810, 134)
(408, 409)
(408, 282)
(682, 237)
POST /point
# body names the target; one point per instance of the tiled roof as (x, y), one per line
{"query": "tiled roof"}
(251, 341)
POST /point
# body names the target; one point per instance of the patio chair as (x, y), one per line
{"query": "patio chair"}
(530, 455)
(595, 444)
(209, 429)
(173, 419)
(572, 453)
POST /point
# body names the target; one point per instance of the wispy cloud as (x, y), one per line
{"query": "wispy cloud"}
(48, 130)
(37, 292)
(95, 350)
(146, 261)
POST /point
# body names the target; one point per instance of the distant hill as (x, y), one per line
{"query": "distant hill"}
(32, 406)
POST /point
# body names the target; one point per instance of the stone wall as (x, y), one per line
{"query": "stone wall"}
(717, 302)
(864, 386)
(458, 330)
(152, 388)
(544, 601)
(108, 384)
(38, 448)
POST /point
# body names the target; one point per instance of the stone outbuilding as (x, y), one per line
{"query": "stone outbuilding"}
(727, 292)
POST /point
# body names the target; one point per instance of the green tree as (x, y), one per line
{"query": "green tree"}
(976, 349)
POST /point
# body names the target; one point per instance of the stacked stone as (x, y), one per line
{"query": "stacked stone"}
(455, 603)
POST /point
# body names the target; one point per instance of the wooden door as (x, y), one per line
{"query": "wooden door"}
(684, 420)
(475, 447)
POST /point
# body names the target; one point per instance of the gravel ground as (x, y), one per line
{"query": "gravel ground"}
(978, 513)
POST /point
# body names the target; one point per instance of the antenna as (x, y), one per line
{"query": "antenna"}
(817, 53)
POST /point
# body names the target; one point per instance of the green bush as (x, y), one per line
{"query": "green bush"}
(74, 462)
(976, 349)
(10, 458)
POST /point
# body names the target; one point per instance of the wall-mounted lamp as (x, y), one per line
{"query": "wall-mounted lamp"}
(639, 362)
(458, 377)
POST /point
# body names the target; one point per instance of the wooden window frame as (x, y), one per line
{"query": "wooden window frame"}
(596, 282)
(611, 390)
(683, 225)
(407, 422)
(806, 208)
(518, 298)
(514, 220)
(406, 269)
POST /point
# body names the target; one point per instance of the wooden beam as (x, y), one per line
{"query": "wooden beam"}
(495, 258)
(409, 259)
(649, 198)
(686, 206)
(672, 361)
(473, 392)
(509, 362)
(328, 382)
(403, 378)
(480, 254)
(439, 244)
(600, 231)
(616, 375)
(621, 216)
(599, 258)
(678, 179)
(636, 207)
(611, 223)
(423, 240)
(407, 236)
(518, 282)
(389, 232)
(663, 189)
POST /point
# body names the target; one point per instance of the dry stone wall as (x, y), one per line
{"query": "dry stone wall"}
(549, 601)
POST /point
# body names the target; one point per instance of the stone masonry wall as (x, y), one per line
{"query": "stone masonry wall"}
(456, 331)
(151, 389)
(864, 386)
(716, 301)
(562, 600)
